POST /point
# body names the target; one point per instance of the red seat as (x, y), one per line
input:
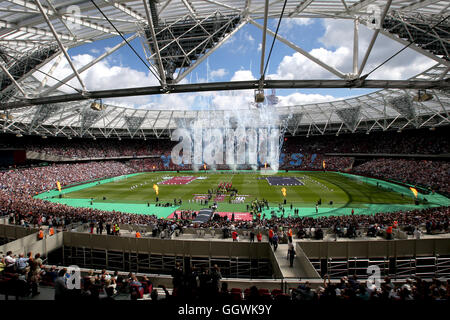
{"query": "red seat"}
(263, 291)
(276, 292)
(236, 290)
(236, 296)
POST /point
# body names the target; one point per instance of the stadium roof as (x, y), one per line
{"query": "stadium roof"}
(35, 33)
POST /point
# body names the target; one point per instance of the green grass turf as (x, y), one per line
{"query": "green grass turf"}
(346, 192)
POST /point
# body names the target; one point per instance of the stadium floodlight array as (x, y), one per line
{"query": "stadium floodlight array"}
(350, 117)
(20, 67)
(43, 113)
(88, 118)
(427, 31)
(404, 105)
(291, 122)
(186, 40)
(134, 123)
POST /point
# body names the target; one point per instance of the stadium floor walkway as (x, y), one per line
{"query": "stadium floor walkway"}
(296, 271)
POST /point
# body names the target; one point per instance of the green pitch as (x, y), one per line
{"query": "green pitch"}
(135, 193)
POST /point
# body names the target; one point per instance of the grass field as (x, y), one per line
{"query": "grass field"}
(346, 191)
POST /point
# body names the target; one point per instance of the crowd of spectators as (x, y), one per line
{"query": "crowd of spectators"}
(431, 174)
(155, 164)
(17, 188)
(206, 285)
(314, 161)
(77, 148)
(429, 220)
(353, 289)
(34, 180)
(420, 141)
(21, 276)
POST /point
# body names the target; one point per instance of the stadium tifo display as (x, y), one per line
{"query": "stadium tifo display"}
(244, 195)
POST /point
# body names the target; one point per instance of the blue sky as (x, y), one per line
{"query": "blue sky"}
(239, 59)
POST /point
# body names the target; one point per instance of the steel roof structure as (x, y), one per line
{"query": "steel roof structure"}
(178, 35)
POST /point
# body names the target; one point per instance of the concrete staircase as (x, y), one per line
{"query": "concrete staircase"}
(302, 269)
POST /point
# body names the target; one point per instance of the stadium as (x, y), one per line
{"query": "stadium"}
(322, 179)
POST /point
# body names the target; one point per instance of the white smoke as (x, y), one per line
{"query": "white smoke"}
(237, 137)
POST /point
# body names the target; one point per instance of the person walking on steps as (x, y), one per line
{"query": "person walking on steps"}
(275, 242)
(291, 254)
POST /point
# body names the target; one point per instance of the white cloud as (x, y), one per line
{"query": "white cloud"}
(338, 52)
(289, 23)
(298, 98)
(219, 73)
(242, 75)
(297, 66)
(101, 76)
(240, 43)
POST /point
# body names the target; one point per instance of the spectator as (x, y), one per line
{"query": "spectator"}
(61, 290)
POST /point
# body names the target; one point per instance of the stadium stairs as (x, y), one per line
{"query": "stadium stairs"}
(302, 267)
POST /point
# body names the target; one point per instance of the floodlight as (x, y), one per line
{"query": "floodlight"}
(423, 96)
(97, 105)
(259, 96)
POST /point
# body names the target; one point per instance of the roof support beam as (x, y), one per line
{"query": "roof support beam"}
(235, 85)
(418, 5)
(360, 5)
(53, 12)
(90, 64)
(210, 51)
(12, 79)
(220, 4)
(262, 7)
(299, 9)
(416, 48)
(162, 73)
(374, 38)
(300, 50)
(50, 72)
(355, 46)
(246, 10)
(125, 9)
(190, 8)
(165, 6)
(36, 31)
(60, 44)
(263, 45)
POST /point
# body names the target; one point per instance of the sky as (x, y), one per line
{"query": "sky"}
(239, 59)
